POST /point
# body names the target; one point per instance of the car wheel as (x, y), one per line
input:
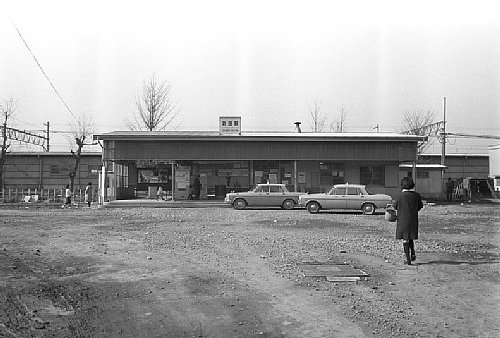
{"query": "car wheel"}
(368, 208)
(288, 204)
(313, 207)
(239, 204)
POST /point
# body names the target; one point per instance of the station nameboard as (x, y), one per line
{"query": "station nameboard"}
(230, 125)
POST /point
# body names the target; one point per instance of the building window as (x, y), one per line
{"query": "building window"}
(235, 123)
(331, 173)
(230, 123)
(372, 175)
(121, 176)
(422, 174)
(223, 123)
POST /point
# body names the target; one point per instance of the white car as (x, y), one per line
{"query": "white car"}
(345, 196)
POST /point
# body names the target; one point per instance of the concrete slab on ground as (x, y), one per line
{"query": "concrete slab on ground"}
(332, 271)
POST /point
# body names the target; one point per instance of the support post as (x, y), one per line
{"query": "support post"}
(295, 177)
(443, 148)
(173, 180)
(102, 184)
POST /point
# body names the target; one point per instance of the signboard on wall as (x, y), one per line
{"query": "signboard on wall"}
(233, 172)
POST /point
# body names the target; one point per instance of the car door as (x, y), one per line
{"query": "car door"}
(260, 197)
(354, 198)
(336, 199)
(276, 195)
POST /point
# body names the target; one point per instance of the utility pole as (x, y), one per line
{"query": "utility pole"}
(48, 137)
(443, 135)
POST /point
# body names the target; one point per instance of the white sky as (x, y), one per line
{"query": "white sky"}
(267, 61)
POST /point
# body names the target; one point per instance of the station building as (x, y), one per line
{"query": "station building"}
(136, 163)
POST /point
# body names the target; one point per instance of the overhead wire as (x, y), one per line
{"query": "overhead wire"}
(44, 73)
(27, 123)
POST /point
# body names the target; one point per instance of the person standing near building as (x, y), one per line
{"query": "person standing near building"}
(467, 188)
(159, 193)
(197, 187)
(450, 186)
(67, 195)
(89, 194)
(408, 205)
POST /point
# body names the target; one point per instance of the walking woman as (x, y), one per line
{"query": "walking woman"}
(408, 205)
(89, 191)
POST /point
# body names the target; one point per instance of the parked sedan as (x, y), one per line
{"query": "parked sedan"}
(264, 195)
(345, 196)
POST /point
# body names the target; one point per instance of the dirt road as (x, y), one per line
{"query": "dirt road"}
(218, 272)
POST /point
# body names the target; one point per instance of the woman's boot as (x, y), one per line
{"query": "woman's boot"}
(406, 247)
(412, 250)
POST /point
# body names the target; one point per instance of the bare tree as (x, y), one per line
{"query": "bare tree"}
(81, 135)
(7, 110)
(419, 122)
(338, 125)
(318, 118)
(155, 107)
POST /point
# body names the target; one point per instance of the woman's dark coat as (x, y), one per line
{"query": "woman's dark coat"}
(408, 205)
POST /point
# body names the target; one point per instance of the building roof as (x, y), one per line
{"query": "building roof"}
(50, 153)
(423, 166)
(455, 155)
(254, 136)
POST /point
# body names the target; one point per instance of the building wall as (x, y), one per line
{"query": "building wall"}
(494, 173)
(494, 152)
(49, 170)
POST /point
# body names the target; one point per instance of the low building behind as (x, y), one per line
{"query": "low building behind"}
(49, 170)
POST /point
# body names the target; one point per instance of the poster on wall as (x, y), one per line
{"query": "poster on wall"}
(273, 178)
(302, 177)
(145, 175)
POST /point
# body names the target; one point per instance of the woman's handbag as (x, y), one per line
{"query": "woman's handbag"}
(391, 214)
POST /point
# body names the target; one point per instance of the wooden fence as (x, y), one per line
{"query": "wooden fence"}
(20, 195)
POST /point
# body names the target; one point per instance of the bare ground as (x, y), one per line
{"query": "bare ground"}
(218, 272)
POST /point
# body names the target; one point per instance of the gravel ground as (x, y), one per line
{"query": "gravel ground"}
(219, 272)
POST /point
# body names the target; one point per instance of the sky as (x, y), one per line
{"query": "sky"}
(266, 61)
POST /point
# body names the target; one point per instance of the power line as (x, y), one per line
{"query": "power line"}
(45, 74)
(493, 137)
(28, 123)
